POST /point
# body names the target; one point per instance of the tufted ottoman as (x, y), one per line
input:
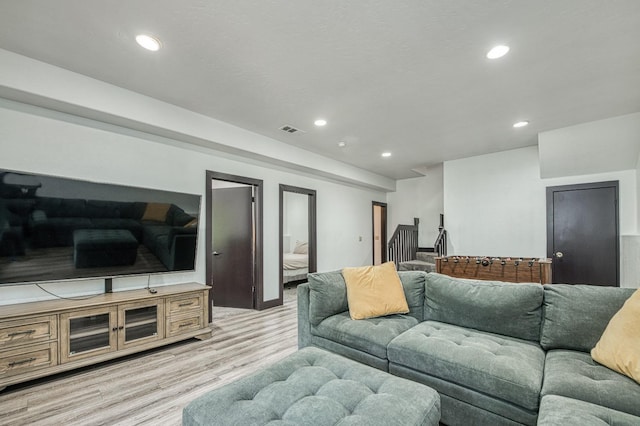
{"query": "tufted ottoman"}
(315, 387)
(104, 247)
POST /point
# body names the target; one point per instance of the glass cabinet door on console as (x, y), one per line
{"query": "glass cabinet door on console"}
(140, 322)
(94, 332)
(88, 333)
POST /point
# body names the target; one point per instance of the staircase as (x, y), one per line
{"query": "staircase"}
(425, 261)
(403, 248)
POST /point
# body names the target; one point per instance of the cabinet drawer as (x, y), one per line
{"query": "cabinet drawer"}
(27, 331)
(183, 304)
(184, 324)
(27, 358)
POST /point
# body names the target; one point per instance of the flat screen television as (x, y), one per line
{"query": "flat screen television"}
(53, 229)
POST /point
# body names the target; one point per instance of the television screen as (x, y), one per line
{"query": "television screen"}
(55, 228)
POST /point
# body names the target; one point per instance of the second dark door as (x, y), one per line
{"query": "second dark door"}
(583, 233)
(232, 255)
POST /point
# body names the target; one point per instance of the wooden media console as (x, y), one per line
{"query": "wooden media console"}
(43, 338)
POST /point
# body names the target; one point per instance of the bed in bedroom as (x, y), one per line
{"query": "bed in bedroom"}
(295, 265)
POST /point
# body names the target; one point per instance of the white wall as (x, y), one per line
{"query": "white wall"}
(295, 218)
(630, 246)
(420, 197)
(495, 204)
(638, 188)
(598, 146)
(26, 80)
(43, 141)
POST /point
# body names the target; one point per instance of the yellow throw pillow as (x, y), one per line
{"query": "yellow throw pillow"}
(156, 211)
(374, 291)
(192, 223)
(619, 345)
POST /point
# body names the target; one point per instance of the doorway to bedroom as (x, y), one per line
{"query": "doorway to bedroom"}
(379, 220)
(298, 251)
(234, 241)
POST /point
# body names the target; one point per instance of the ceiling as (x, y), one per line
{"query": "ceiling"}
(408, 77)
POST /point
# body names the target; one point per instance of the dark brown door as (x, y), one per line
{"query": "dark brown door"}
(379, 233)
(232, 256)
(583, 233)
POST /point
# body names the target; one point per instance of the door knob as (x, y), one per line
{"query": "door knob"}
(558, 254)
(215, 253)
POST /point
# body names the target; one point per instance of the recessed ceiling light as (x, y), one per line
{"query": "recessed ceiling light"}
(520, 124)
(148, 42)
(320, 122)
(498, 52)
(342, 144)
(386, 154)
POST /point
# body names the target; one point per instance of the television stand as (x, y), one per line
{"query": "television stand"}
(42, 338)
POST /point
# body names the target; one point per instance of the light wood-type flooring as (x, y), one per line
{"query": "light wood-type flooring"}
(152, 388)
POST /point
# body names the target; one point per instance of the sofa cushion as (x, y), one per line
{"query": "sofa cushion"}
(575, 316)
(177, 217)
(496, 307)
(413, 285)
(558, 410)
(133, 210)
(503, 367)
(62, 207)
(327, 297)
(368, 335)
(328, 294)
(150, 234)
(619, 346)
(575, 375)
(104, 209)
(374, 291)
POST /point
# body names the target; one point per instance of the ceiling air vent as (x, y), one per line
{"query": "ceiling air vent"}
(290, 129)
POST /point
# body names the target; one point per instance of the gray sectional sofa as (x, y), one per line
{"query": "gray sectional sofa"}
(497, 353)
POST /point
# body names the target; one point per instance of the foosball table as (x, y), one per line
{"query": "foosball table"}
(510, 269)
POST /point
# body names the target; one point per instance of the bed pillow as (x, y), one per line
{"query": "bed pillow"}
(301, 248)
(619, 346)
(374, 291)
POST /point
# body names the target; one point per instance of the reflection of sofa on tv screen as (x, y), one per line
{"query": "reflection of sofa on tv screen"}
(165, 229)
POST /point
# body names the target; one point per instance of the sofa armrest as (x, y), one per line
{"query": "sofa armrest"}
(183, 251)
(304, 326)
(178, 231)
